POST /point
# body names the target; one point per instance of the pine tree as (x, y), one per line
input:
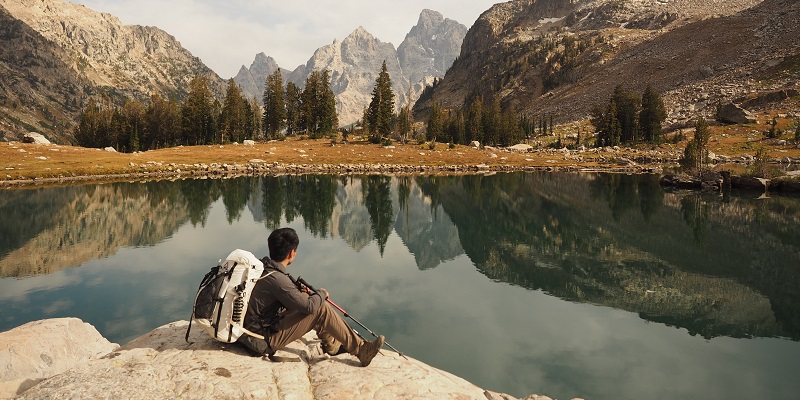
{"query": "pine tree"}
(404, 123)
(329, 120)
(435, 123)
(318, 105)
(163, 119)
(132, 127)
(627, 105)
(381, 107)
(274, 107)
(293, 108)
(88, 124)
(473, 129)
(696, 152)
(198, 114)
(234, 118)
(491, 121)
(797, 131)
(254, 116)
(652, 115)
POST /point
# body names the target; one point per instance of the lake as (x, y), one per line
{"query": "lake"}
(601, 286)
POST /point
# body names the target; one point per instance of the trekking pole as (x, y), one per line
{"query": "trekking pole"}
(346, 314)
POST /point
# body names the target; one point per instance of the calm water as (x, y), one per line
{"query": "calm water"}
(568, 285)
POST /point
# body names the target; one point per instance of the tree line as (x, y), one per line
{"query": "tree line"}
(629, 118)
(289, 110)
(199, 119)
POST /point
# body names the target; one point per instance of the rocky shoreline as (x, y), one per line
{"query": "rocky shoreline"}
(67, 358)
(314, 157)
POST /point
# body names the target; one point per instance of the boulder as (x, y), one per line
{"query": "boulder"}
(749, 182)
(36, 138)
(524, 148)
(248, 142)
(161, 365)
(763, 99)
(733, 114)
(38, 350)
(476, 144)
(110, 149)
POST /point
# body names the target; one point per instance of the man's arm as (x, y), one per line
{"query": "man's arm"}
(294, 300)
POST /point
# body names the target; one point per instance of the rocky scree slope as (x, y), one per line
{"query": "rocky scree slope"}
(695, 53)
(92, 54)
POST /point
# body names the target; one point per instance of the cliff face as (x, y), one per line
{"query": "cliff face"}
(253, 79)
(427, 51)
(93, 53)
(561, 57)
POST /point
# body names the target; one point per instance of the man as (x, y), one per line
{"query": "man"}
(282, 313)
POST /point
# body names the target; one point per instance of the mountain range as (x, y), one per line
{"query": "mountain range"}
(541, 57)
(425, 54)
(561, 57)
(55, 55)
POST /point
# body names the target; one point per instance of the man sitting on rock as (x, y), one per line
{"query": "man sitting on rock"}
(282, 313)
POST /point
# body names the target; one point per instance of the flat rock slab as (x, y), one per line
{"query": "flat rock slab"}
(161, 365)
(38, 350)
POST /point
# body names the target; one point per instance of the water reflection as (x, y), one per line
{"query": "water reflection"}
(717, 267)
(548, 283)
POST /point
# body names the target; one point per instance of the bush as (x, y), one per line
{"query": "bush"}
(760, 167)
(797, 131)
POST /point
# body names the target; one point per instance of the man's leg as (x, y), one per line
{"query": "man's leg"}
(328, 324)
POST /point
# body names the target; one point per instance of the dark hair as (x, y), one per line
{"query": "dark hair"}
(281, 242)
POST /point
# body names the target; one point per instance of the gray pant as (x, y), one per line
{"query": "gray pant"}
(329, 325)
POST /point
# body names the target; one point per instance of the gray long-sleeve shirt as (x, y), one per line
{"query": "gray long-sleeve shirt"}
(274, 296)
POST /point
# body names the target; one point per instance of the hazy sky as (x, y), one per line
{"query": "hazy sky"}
(228, 34)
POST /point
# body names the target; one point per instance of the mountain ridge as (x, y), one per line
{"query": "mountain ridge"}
(696, 54)
(354, 62)
(102, 57)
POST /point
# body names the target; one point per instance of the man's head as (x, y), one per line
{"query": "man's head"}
(281, 243)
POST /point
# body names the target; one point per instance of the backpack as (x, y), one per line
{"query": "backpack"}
(223, 296)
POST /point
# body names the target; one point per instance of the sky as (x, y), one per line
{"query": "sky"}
(229, 34)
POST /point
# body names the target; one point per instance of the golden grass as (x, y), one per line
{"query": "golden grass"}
(22, 163)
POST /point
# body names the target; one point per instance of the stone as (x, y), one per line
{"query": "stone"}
(161, 365)
(734, 114)
(521, 148)
(475, 144)
(36, 138)
(110, 149)
(38, 350)
(248, 142)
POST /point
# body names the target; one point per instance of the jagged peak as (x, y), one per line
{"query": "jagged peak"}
(360, 33)
(430, 17)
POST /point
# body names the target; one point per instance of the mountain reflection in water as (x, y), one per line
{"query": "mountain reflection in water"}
(714, 265)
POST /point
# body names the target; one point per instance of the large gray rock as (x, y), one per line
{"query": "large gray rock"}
(733, 114)
(161, 365)
(36, 138)
(40, 349)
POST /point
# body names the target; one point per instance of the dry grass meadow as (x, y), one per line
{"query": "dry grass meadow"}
(23, 164)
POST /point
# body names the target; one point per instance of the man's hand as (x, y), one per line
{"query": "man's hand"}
(323, 293)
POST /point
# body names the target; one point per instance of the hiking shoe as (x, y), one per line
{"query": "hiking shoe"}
(368, 350)
(333, 349)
